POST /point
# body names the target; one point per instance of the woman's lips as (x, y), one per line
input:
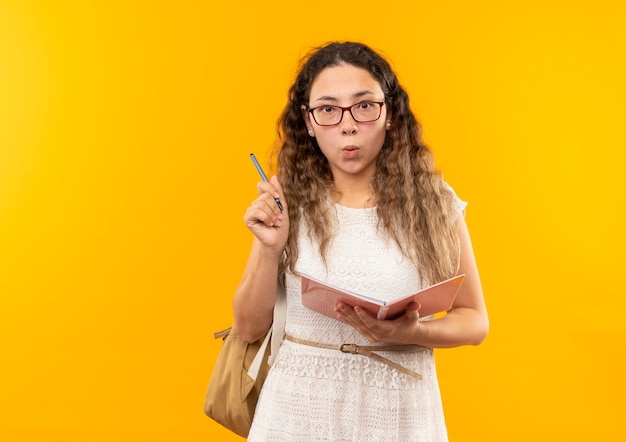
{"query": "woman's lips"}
(350, 151)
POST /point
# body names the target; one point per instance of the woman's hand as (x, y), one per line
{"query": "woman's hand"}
(400, 330)
(264, 218)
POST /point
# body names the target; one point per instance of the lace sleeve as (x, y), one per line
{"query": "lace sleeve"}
(459, 204)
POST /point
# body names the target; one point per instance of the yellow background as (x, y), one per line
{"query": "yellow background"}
(125, 129)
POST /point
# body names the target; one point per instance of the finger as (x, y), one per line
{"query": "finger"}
(273, 196)
(255, 216)
(366, 317)
(270, 204)
(412, 310)
(262, 210)
(368, 325)
(358, 318)
(280, 194)
(356, 315)
(345, 310)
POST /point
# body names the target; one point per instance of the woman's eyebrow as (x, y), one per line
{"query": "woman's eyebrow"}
(334, 99)
(325, 98)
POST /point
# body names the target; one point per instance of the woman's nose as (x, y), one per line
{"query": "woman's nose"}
(348, 123)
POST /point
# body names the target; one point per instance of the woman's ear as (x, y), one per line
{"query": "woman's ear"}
(307, 120)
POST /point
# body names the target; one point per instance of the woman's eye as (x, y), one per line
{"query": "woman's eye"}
(365, 105)
(327, 109)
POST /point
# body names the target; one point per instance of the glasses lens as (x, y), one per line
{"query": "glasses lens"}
(327, 115)
(366, 111)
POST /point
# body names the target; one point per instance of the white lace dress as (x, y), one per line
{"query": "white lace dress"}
(314, 394)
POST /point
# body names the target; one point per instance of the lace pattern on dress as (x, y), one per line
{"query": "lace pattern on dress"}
(315, 394)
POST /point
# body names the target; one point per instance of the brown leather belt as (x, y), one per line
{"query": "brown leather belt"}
(367, 350)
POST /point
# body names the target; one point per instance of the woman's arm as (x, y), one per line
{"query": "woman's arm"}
(466, 323)
(255, 296)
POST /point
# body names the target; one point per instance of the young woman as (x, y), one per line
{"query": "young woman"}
(364, 209)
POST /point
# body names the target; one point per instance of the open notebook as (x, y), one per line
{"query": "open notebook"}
(323, 298)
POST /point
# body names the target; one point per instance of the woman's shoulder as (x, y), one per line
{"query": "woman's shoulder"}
(458, 204)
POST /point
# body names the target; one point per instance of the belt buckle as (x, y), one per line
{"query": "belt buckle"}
(349, 348)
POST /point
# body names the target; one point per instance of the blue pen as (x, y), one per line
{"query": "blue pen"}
(258, 167)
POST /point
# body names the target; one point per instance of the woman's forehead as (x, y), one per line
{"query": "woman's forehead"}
(342, 82)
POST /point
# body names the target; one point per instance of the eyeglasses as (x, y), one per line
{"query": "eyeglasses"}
(362, 112)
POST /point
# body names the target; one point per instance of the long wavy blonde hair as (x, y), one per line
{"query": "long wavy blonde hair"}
(414, 205)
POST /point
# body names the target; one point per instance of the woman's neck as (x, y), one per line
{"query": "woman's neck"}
(357, 194)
